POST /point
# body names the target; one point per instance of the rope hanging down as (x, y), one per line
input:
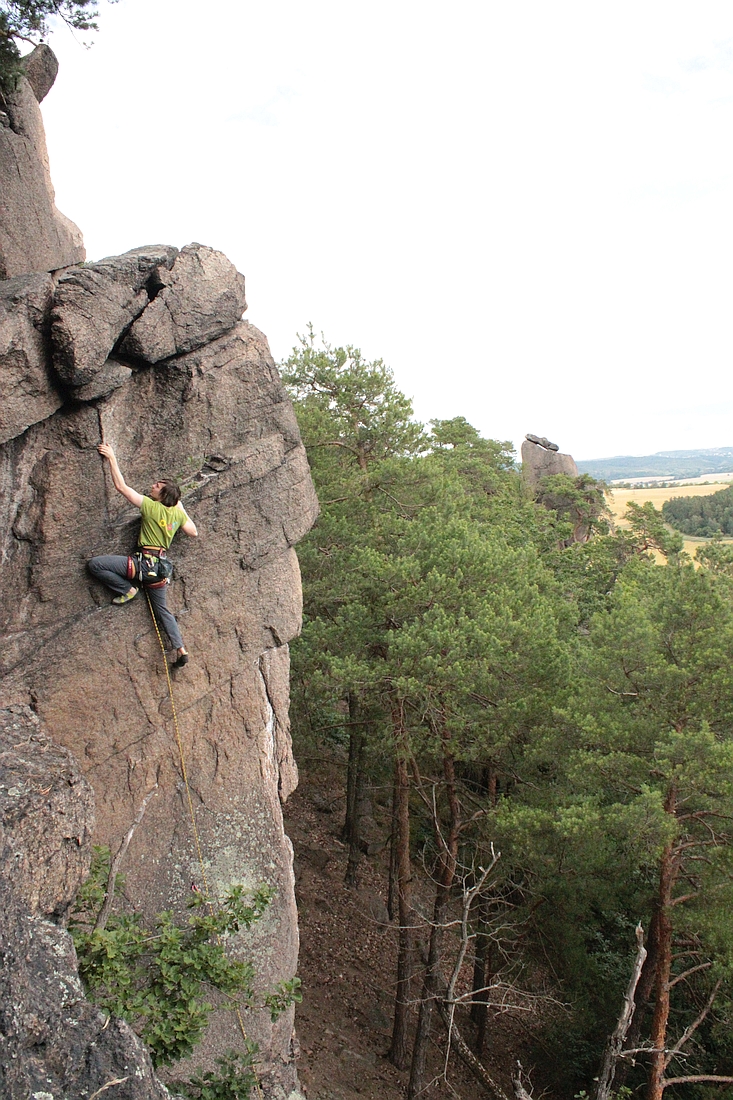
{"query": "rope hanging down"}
(197, 841)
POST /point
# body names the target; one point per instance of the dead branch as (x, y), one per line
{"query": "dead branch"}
(615, 1043)
(692, 970)
(518, 1078)
(697, 1077)
(116, 862)
(693, 1026)
(108, 1085)
(468, 1058)
(468, 899)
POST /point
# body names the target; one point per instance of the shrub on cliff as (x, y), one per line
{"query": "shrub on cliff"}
(157, 978)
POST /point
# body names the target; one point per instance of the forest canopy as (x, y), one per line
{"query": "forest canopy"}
(552, 712)
(704, 517)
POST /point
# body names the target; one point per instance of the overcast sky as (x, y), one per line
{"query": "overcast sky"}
(524, 208)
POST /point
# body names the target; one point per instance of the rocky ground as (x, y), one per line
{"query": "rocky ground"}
(347, 959)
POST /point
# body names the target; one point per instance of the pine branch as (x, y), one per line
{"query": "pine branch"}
(693, 1026)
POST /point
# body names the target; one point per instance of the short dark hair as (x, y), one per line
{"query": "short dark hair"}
(169, 493)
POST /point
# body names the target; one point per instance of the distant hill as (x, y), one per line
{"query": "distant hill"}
(672, 464)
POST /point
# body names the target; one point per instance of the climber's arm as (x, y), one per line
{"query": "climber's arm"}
(119, 482)
(189, 528)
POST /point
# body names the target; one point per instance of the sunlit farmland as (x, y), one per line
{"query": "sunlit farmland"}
(618, 500)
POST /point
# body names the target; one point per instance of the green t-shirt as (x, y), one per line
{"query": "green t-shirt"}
(159, 524)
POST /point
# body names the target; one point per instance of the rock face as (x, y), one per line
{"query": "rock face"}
(34, 235)
(215, 415)
(541, 459)
(95, 305)
(199, 298)
(29, 391)
(52, 1041)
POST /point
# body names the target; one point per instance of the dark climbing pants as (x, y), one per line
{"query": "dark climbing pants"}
(111, 569)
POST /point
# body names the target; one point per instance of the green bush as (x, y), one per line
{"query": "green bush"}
(157, 977)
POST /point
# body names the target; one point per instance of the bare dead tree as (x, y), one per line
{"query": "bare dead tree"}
(472, 883)
(469, 896)
(616, 1041)
(518, 1079)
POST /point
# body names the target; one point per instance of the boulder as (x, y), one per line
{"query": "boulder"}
(542, 441)
(34, 235)
(41, 69)
(94, 305)
(201, 297)
(28, 389)
(53, 1042)
(539, 462)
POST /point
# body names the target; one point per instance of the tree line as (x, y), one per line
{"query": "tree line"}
(704, 517)
(554, 719)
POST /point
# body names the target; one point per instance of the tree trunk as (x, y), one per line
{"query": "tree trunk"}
(667, 878)
(484, 948)
(354, 792)
(355, 735)
(481, 976)
(429, 992)
(398, 1051)
(393, 848)
(449, 858)
(491, 784)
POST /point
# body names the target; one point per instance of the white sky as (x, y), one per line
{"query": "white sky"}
(525, 208)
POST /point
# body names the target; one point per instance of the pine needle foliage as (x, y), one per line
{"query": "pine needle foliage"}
(548, 689)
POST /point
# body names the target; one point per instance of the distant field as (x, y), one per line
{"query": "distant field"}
(619, 499)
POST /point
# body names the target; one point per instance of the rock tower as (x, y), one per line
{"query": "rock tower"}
(148, 351)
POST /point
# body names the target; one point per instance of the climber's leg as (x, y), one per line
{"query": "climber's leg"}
(165, 617)
(111, 569)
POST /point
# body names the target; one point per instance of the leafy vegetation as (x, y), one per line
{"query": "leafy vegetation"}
(529, 682)
(158, 978)
(234, 1079)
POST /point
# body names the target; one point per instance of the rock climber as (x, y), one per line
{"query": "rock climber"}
(161, 515)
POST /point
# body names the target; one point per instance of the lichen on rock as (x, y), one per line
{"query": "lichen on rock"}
(53, 1042)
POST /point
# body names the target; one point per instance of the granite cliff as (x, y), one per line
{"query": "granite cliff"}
(34, 235)
(148, 351)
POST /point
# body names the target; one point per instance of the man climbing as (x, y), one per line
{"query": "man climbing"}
(162, 515)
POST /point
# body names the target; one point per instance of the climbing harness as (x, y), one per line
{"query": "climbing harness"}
(150, 567)
(210, 900)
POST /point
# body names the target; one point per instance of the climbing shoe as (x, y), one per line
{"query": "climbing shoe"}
(181, 660)
(126, 598)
